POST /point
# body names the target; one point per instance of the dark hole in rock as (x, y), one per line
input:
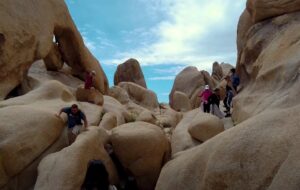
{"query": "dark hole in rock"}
(15, 92)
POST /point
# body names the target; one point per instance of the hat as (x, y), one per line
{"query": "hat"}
(206, 87)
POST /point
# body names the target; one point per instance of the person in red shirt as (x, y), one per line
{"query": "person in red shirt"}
(205, 94)
(89, 80)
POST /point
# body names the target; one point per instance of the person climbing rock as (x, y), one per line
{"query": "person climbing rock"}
(89, 79)
(205, 94)
(75, 117)
(229, 95)
(214, 101)
(96, 177)
(235, 79)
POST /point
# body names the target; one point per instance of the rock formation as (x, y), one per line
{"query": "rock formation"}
(130, 71)
(26, 37)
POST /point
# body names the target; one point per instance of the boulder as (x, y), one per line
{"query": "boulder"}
(141, 148)
(260, 153)
(25, 133)
(147, 116)
(89, 95)
(190, 81)
(181, 139)
(30, 37)
(141, 96)
(119, 94)
(217, 71)
(181, 102)
(167, 117)
(66, 169)
(269, 67)
(264, 9)
(205, 126)
(109, 121)
(130, 71)
(114, 106)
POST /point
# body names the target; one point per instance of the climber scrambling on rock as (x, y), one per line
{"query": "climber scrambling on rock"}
(75, 117)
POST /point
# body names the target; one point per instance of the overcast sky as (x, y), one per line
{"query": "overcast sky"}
(163, 35)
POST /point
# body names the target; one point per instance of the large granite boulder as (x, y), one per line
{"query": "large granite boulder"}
(264, 9)
(130, 71)
(142, 149)
(26, 37)
(66, 169)
(140, 95)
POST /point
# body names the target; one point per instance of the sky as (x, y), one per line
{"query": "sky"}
(165, 36)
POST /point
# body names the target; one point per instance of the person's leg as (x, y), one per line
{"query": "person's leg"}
(71, 137)
(208, 108)
(74, 133)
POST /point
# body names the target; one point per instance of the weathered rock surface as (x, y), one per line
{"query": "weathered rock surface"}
(114, 106)
(217, 71)
(269, 66)
(130, 71)
(109, 121)
(66, 169)
(119, 94)
(167, 117)
(264, 9)
(181, 139)
(53, 61)
(261, 152)
(30, 37)
(141, 148)
(205, 126)
(147, 116)
(89, 95)
(190, 81)
(181, 102)
(141, 96)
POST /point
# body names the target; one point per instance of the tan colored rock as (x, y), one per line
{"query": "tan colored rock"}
(30, 37)
(65, 169)
(217, 71)
(205, 126)
(89, 95)
(147, 116)
(53, 61)
(39, 73)
(261, 152)
(181, 139)
(109, 121)
(119, 94)
(226, 68)
(181, 102)
(167, 117)
(264, 9)
(190, 81)
(112, 105)
(130, 71)
(141, 147)
(141, 96)
(26, 132)
(269, 67)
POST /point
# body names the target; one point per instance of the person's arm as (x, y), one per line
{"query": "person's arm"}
(85, 123)
(59, 113)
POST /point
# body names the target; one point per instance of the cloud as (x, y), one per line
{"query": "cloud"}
(193, 33)
(162, 78)
(91, 45)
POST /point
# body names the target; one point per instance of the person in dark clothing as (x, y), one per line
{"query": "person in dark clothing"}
(75, 117)
(235, 79)
(229, 95)
(96, 176)
(214, 100)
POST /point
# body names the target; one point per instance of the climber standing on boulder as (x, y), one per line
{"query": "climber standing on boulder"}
(214, 101)
(205, 94)
(229, 95)
(89, 79)
(75, 117)
(235, 79)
